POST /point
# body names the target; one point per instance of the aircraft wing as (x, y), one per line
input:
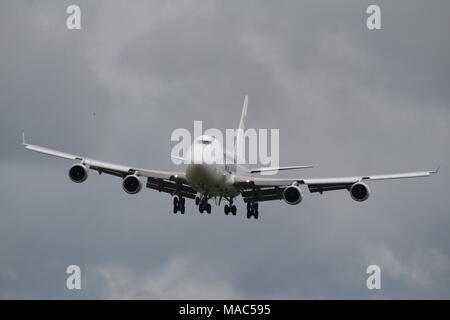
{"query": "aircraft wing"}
(163, 181)
(264, 189)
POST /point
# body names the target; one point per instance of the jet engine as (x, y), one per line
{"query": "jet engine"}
(78, 173)
(292, 195)
(132, 184)
(360, 191)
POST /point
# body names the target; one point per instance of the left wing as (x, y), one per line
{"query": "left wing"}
(163, 181)
(264, 189)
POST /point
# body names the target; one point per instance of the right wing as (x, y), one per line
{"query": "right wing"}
(264, 189)
(163, 181)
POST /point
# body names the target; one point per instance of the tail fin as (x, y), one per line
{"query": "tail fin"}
(239, 147)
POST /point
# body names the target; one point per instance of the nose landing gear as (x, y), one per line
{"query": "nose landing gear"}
(178, 204)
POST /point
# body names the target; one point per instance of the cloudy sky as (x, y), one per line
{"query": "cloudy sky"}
(349, 100)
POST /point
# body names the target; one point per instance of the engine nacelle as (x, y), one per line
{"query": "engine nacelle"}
(132, 184)
(78, 173)
(292, 195)
(360, 191)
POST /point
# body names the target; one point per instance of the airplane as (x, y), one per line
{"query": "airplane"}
(204, 179)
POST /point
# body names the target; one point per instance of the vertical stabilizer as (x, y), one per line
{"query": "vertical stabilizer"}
(239, 148)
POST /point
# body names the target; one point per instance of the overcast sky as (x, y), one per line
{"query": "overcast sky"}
(348, 100)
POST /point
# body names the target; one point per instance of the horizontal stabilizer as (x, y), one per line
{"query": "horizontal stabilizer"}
(178, 158)
(279, 168)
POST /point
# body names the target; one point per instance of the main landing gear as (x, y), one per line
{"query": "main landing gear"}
(252, 210)
(230, 208)
(178, 204)
(203, 205)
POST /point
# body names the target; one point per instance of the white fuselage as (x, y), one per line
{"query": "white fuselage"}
(207, 172)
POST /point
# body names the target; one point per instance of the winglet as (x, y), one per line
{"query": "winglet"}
(437, 170)
(23, 139)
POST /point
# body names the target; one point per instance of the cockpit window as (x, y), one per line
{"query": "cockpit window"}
(204, 141)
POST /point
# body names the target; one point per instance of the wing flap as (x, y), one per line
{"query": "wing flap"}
(327, 187)
(257, 194)
(171, 187)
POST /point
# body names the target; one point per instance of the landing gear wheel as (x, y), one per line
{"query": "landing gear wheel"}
(181, 206)
(233, 210)
(175, 205)
(252, 210)
(197, 201)
(178, 204)
(226, 209)
(208, 208)
(201, 207)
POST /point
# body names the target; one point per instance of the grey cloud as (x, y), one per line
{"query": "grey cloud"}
(427, 268)
(180, 278)
(348, 100)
